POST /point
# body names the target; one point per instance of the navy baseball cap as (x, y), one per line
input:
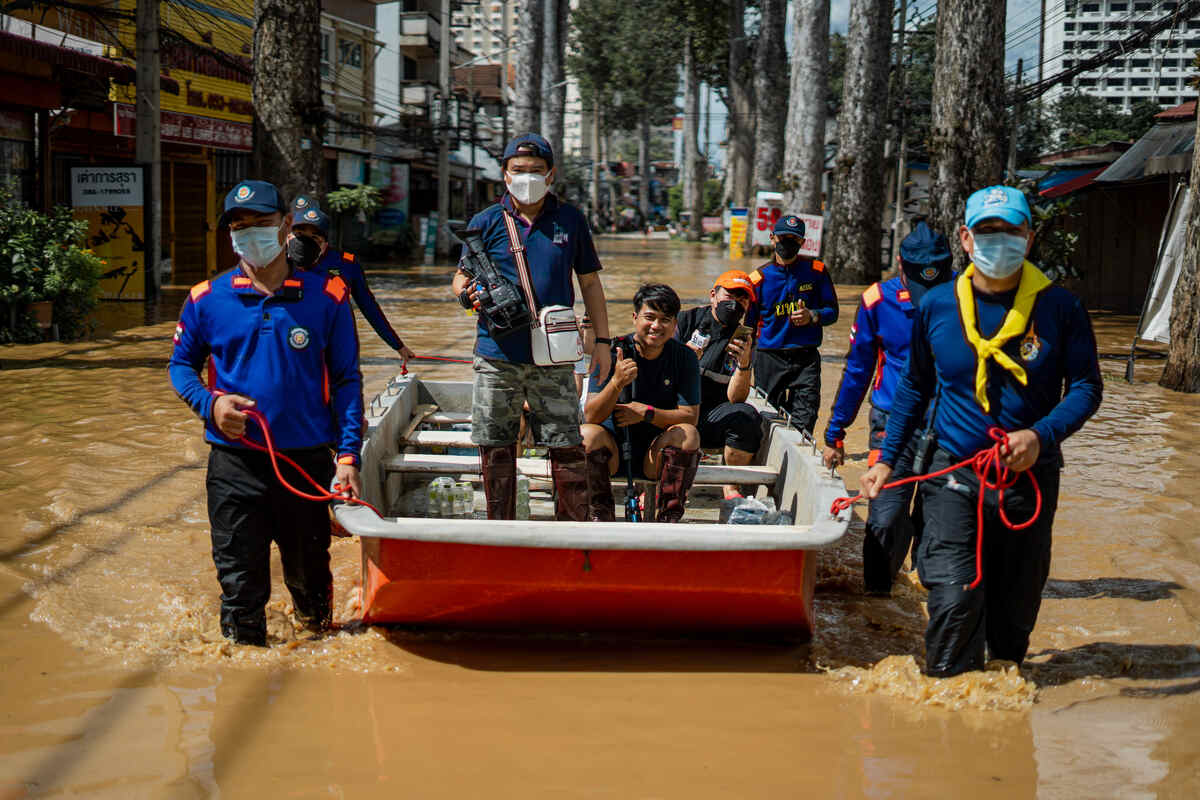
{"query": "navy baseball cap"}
(304, 202)
(1004, 202)
(923, 246)
(312, 216)
(253, 196)
(528, 144)
(789, 225)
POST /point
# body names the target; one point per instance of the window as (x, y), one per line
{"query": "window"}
(1068, 63)
(1114, 83)
(1086, 83)
(350, 53)
(1089, 26)
(1115, 102)
(1169, 83)
(410, 69)
(1118, 7)
(1140, 63)
(1068, 27)
(1142, 6)
(1139, 82)
(325, 37)
(1090, 8)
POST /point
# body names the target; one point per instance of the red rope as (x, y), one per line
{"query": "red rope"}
(342, 492)
(992, 474)
(448, 359)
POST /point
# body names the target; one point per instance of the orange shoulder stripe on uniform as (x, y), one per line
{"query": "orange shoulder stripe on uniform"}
(291, 282)
(349, 257)
(201, 289)
(872, 296)
(335, 287)
(756, 277)
(818, 266)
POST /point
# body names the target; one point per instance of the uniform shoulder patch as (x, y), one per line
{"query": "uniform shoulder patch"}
(349, 257)
(336, 288)
(201, 289)
(756, 277)
(872, 296)
(818, 266)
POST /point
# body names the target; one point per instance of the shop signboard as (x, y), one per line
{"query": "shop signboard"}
(737, 231)
(768, 208)
(111, 200)
(394, 213)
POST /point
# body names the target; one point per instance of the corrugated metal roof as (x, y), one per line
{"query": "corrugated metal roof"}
(1164, 139)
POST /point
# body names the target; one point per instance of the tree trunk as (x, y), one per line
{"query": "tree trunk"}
(968, 110)
(740, 127)
(856, 212)
(527, 105)
(289, 117)
(644, 167)
(554, 93)
(693, 187)
(770, 89)
(1182, 372)
(804, 153)
(595, 148)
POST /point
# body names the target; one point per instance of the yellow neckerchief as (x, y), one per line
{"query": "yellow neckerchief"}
(1015, 323)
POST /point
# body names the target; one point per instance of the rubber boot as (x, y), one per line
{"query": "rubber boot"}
(675, 476)
(600, 486)
(500, 480)
(569, 471)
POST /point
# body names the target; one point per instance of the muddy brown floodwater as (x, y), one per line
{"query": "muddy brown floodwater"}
(118, 684)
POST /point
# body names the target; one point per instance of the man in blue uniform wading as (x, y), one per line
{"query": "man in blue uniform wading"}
(795, 300)
(282, 342)
(308, 248)
(557, 244)
(1001, 347)
(879, 340)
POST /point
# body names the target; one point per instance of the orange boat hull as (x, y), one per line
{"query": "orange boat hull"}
(761, 592)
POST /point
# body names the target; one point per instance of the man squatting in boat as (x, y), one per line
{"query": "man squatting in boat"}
(725, 349)
(652, 395)
(557, 243)
(795, 300)
(879, 341)
(308, 248)
(1000, 346)
(281, 341)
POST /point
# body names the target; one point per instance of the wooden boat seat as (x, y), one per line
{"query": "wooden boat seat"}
(434, 464)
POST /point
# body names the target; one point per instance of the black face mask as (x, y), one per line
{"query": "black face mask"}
(787, 248)
(303, 251)
(728, 313)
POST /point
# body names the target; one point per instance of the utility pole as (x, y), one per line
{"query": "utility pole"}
(596, 160)
(504, 98)
(1016, 122)
(447, 41)
(148, 149)
(902, 151)
(472, 198)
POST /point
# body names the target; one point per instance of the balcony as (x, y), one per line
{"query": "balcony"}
(420, 33)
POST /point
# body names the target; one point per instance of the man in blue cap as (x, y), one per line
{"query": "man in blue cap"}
(556, 243)
(308, 248)
(999, 347)
(879, 340)
(280, 341)
(795, 301)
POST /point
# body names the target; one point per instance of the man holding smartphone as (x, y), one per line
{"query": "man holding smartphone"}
(718, 336)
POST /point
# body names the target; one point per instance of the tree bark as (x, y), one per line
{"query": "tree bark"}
(554, 93)
(1182, 372)
(804, 153)
(740, 126)
(770, 89)
(856, 212)
(693, 186)
(644, 167)
(968, 110)
(289, 117)
(527, 105)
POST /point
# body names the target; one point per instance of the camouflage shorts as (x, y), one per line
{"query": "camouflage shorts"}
(501, 390)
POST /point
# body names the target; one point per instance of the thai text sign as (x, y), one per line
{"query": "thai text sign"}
(111, 200)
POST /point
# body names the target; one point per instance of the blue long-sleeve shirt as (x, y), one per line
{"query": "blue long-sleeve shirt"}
(879, 342)
(780, 291)
(295, 353)
(335, 263)
(1057, 350)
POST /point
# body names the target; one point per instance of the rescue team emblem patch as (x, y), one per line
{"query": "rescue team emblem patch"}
(335, 272)
(301, 202)
(178, 332)
(311, 214)
(995, 197)
(244, 193)
(298, 338)
(929, 273)
(1031, 345)
(792, 222)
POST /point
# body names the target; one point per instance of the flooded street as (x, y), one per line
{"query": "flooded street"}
(118, 683)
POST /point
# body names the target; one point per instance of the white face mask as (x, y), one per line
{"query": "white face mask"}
(998, 255)
(257, 246)
(527, 187)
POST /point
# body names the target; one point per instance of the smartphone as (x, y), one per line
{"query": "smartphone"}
(742, 332)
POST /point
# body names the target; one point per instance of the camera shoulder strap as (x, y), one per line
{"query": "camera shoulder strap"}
(518, 250)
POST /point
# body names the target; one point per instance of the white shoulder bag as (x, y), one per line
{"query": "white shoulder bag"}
(554, 330)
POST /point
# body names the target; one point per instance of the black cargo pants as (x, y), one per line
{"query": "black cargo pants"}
(791, 380)
(248, 509)
(891, 526)
(1000, 613)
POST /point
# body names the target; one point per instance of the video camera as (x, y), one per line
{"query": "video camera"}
(501, 303)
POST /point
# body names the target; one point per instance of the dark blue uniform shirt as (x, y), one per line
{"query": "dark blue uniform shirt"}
(295, 353)
(1058, 352)
(345, 265)
(557, 243)
(780, 290)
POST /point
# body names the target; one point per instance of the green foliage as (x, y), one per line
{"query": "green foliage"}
(1054, 249)
(837, 71)
(41, 258)
(916, 104)
(712, 199)
(362, 198)
(1083, 119)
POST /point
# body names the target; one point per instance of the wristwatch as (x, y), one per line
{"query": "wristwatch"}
(649, 415)
(604, 340)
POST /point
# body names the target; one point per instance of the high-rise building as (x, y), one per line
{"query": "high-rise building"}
(1078, 29)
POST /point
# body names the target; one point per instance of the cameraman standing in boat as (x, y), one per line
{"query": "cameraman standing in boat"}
(557, 243)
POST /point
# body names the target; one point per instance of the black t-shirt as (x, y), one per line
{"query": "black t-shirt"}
(701, 328)
(667, 382)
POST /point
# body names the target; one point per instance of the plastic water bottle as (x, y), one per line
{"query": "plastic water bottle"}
(522, 497)
(447, 497)
(433, 498)
(468, 500)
